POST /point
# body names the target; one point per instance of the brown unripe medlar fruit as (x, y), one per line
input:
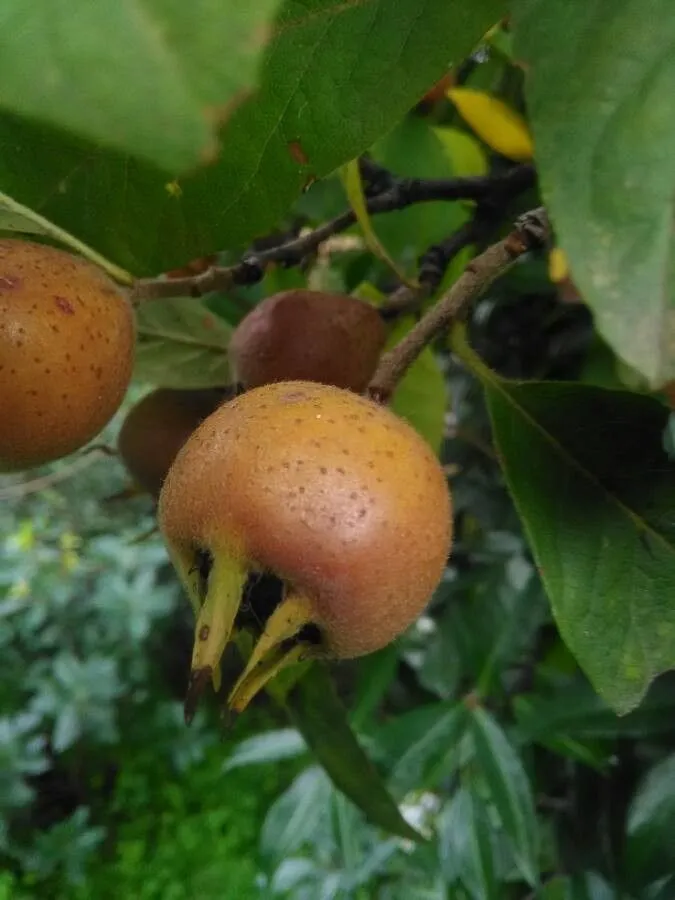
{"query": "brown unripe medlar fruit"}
(66, 352)
(331, 493)
(157, 427)
(303, 335)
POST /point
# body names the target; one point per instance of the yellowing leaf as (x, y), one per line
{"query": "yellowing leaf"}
(500, 126)
(464, 153)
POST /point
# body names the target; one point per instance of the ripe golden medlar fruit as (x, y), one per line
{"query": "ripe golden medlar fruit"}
(303, 335)
(157, 427)
(66, 352)
(331, 493)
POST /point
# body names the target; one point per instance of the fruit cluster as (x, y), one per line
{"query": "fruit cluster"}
(299, 479)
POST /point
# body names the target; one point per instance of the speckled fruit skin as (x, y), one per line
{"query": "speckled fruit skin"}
(303, 335)
(157, 427)
(66, 352)
(334, 494)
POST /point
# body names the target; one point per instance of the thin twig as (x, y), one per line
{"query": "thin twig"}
(26, 488)
(532, 231)
(433, 266)
(478, 230)
(402, 193)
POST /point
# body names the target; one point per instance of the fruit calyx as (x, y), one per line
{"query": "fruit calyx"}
(284, 630)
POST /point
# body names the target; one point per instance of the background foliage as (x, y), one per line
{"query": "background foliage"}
(519, 741)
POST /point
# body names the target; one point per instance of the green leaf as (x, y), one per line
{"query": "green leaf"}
(509, 788)
(181, 344)
(353, 185)
(270, 746)
(67, 728)
(302, 812)
(650, 851)
(576, 711)
(434, 752)
(585, 886)
(14, 217)
(335, 77)
(465, 154)
(602, 108)
(465, 845)
(151, 78)
(414, 149)
(421, 396)
(322, 720)
(376, 674)
(595, 490)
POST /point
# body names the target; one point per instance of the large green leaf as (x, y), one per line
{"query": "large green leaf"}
(335, 76)
(596, 491)
(509, 788)
(601, 97)
(151, 78)
(322, 719)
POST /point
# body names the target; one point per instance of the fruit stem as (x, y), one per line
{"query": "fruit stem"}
(278, 647)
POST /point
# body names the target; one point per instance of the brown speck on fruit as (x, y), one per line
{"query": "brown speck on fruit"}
(64, 305)
(9, 283)
(204, 633)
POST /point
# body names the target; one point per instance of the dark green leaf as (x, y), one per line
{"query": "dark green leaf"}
(335, 77)
(393, 737)
(150, 78)
(509, 788)
(270, 746)
(413, 149)
(596, 491)
(323, 722)
(376, 673)
(438, 661)
(181, 344)
(587, 886)
(465, 845)
(523, 610)
(650, 849)
(576, 711)
(663, 889)
(421, 397)
(602, 107)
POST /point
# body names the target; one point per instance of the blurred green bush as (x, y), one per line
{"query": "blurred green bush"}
(103, 790)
